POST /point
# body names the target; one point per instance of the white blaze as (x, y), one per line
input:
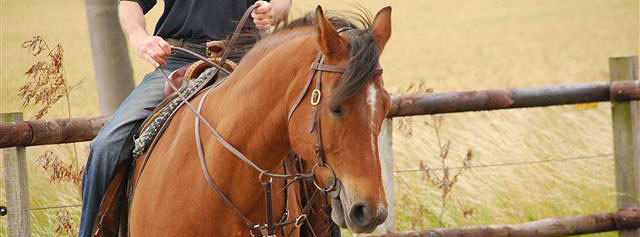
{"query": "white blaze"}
(372, 94)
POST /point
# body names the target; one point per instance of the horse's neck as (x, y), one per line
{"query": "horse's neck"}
(250, 112)
(254, 103)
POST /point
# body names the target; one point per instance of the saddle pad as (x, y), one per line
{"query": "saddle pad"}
(164, 113)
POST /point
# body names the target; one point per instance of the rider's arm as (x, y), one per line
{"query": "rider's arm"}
(267, 14)
(151, 48)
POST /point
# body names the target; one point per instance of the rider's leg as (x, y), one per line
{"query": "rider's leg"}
(107, 148)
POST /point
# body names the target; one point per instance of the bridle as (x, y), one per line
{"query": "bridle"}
(316, 95)
(265, 177)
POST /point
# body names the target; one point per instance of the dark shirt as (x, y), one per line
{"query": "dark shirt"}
(197, 21)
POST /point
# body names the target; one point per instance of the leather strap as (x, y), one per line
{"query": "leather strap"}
(327, 68)
(220, 67)
(320, 160)
(319, 148)
(205, 170)
(305, 90)
(186, 44)
(236, 33)
(334, 68)
(147, 154)
(267, 196)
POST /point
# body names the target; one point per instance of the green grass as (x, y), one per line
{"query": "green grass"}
(449, 46)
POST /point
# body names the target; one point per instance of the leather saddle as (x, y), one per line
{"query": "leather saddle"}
(181, 76)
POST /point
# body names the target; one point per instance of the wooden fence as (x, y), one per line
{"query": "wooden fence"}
(622, 91)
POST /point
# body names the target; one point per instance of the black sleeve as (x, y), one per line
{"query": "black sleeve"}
(146, 5)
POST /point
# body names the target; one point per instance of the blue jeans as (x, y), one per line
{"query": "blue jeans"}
(108, 149)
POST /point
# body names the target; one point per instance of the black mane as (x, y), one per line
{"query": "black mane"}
(363, 55)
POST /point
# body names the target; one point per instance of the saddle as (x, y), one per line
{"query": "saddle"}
(182, 76)
(190, 79)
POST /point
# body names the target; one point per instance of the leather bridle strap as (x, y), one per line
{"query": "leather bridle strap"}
(316, 96)
(236, 33)
(220, 67)
(228, 146)
(205, 170)
(334, 68)
(306, 88)
(318, 66)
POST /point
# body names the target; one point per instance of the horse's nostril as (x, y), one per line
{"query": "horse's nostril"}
(360, 213)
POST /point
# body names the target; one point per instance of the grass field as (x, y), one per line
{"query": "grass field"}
(444, 45)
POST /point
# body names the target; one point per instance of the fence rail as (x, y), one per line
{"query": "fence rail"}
(627, 219)
(452, 102)
(42, 132)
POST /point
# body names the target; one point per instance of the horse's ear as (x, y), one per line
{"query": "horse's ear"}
(328, 38)
(381, 27)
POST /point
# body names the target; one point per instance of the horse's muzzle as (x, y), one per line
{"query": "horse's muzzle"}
(364, 217)
(359, 216)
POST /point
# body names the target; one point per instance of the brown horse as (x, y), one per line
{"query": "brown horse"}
(333, 127)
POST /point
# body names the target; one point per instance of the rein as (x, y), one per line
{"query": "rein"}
(225, 55)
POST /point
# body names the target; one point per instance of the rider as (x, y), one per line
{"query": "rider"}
(187, 23)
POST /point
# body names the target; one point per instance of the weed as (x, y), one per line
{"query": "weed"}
(448, 179)
(47, 82)
(58, 170)
(45, 86)
(404, 123)
(64, 223)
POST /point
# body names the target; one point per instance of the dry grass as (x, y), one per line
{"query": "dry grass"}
(447, 46)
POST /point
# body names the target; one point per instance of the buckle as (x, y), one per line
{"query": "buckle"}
(315, 97)
(332, 180)
(300, 220)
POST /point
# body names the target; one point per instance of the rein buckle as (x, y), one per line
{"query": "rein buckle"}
(315, 97)
(300, 220)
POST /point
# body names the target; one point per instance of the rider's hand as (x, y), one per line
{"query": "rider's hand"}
(151, 48)
(263, 15)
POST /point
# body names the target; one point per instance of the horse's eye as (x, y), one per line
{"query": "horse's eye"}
(337, 110)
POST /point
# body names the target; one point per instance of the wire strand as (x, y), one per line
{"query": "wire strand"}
(510, 163)
(54, 207)
(426, 170)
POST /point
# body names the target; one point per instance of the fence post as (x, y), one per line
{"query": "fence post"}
(111, 63)
(16, 185)
(626, 139)
(385, 141)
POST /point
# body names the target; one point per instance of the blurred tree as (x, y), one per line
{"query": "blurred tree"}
(111, 63)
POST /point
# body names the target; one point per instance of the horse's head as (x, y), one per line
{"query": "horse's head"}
(350, 110)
